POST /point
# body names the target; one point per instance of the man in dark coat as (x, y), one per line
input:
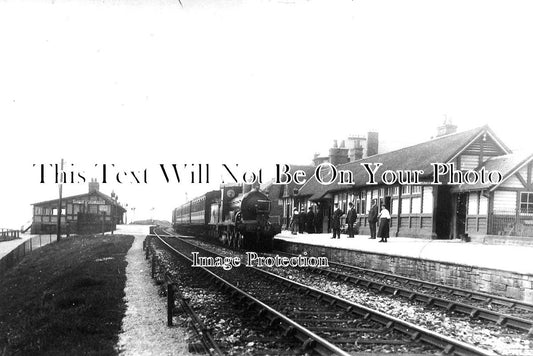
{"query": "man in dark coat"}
(318, 221)
(310, 221)
(336, 222)
(351, 218)
(301, 221)
(373, 218)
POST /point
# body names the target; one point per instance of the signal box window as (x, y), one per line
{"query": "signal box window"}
(526, 203)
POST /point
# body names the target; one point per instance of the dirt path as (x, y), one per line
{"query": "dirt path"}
(144, 329)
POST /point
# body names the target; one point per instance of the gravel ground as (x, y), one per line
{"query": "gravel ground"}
(491, 337)
(475, 332)
(144, 328)
(234, 331)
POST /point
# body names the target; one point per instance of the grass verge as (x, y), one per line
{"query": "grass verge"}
(65, 298)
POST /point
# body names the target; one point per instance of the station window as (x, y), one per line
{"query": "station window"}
(395, 191)
(406, 189)
(473, 203)
(416, 205)
(38, 210)
(416, 189)
(406, 206)
(361, 203)
(526, 203)
(394, 206)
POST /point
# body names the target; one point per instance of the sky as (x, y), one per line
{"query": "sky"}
(254, 83)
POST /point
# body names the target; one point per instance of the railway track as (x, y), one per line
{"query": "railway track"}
(323, 322)
(502, 311)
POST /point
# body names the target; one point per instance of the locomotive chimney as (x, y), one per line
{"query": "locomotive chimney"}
(246, 188)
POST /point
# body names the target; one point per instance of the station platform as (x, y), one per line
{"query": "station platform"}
(505, 270)
(509, 258)
(13, 251)
(8, 246)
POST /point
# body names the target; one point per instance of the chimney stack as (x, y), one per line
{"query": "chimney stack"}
(372, 143)
(446, 128)
(338, 155)
(94, 186)
(355, 145)
(316, 159)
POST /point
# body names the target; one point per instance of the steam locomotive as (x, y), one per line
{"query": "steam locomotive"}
(233, 215)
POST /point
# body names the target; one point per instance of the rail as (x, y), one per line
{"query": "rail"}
(307, 337)
(471, 310)
(207, 344)
(444, 343)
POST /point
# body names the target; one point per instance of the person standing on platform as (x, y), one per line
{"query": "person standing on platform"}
(351, 218)
(373, 219)
(384, 219)
(310, 221)
(318, 221)
(336, 222)
(294, 222)
(301, 221)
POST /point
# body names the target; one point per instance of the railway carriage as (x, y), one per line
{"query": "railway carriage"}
(236, 218)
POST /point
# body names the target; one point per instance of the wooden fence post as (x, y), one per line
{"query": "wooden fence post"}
(170, 303)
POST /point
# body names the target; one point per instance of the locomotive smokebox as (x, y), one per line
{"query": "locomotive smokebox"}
(254, 203)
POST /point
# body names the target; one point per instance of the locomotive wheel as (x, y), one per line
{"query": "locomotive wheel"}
(238, 240)
(232, 242)
(231, 239)
(224, 238)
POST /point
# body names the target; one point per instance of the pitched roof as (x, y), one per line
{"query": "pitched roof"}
(274, 191)
(289, 188)
(417, 157)
(507, 165)
(100, 194)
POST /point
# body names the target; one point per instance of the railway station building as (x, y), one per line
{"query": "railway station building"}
(285, 197)
(446, 210)
(89, 213)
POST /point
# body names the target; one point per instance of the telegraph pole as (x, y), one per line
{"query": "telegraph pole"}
(60, 203)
